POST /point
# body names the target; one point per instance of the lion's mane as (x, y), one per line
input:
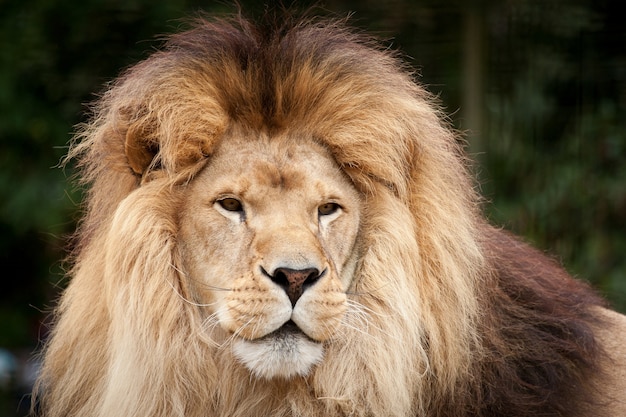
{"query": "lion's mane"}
(461, 319)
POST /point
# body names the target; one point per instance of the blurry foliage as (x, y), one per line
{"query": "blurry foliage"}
(555, 161)
(552, 151)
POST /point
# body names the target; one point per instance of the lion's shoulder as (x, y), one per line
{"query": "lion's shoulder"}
(546, 328)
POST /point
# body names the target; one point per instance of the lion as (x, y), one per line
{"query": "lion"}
(281, 222)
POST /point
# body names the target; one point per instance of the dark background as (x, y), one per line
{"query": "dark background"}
(540, 86)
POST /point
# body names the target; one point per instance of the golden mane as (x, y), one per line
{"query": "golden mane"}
(462, 319)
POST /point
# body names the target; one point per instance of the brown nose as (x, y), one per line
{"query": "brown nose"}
(295, 281)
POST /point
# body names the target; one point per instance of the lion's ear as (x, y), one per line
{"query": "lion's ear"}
(140, 148)
(164, 145)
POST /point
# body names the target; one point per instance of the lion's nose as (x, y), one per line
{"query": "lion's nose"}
(295, 281)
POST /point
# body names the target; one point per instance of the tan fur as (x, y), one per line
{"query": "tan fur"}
(412, 312)
(612, 337)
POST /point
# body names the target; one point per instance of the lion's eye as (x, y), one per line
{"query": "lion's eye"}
(230, 204)
(328, 209)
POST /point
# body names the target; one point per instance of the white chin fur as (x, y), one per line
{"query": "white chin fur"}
(281, 355)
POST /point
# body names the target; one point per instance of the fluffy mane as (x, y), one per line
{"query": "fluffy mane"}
(460, 319)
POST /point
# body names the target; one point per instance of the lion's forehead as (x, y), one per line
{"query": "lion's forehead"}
(253, 167)
(265, 173)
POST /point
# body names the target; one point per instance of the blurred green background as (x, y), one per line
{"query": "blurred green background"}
(539, 86)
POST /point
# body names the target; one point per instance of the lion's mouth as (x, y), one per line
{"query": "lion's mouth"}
(287, 329)
(285, 352)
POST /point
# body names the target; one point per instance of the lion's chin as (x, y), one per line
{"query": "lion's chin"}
(285, 353)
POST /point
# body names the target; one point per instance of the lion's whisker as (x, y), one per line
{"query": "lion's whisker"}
(210, 321)
(243, 327)
(363, 309)
(197, 281)
(367, 293)
(185, 299)
(206, 329)
(357, 318)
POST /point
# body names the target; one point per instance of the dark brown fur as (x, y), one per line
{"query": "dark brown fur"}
(539, 333)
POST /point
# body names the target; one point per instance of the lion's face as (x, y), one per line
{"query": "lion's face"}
(268, 238)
